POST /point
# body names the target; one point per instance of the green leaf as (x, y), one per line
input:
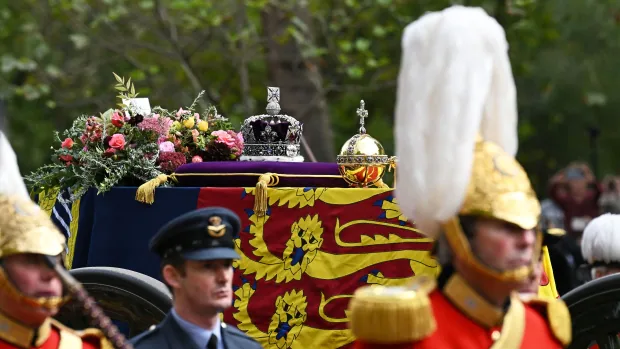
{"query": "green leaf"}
(118, 78)
(80, 41)
(378, 31)
(346, 46)
(355, 72)
(362, 44)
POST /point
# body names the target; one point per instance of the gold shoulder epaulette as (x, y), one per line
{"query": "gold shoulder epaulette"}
(380, 314)
(73, 338)
(557, 315)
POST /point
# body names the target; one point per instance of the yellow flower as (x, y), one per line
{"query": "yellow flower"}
(203, 126)
(189, 122)
(176, 125)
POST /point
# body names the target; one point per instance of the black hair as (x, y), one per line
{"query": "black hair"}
(177, 262)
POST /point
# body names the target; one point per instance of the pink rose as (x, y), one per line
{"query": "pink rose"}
(84, 138)
(109, 152)
(117, 141)
(181, 112)
(66, 158)
(237, 149)
(118, 119)
(195, 135)
(196, 159)
(67, 143)
(166, 146)
(224, 137)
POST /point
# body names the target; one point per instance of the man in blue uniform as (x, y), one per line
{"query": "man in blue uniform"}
(197, 251)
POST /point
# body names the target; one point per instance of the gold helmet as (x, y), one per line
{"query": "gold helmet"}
(456, 132)
(24, 227)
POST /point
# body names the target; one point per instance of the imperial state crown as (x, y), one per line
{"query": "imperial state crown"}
(272, 136)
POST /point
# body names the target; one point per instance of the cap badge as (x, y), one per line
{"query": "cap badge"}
(216, 229)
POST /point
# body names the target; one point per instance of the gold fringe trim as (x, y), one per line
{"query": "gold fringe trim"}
(146, 192)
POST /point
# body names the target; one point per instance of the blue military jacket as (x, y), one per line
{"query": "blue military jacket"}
(169, 335)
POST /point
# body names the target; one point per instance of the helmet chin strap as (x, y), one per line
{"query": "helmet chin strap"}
(11, 289)
(461, 248)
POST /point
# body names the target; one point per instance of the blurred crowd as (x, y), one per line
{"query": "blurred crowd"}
(575, 199)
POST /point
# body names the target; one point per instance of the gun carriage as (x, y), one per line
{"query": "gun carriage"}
(313, 232)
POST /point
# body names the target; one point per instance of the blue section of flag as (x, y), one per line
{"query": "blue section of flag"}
(135, 223)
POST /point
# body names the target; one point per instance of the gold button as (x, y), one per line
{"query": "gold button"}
(495, 335)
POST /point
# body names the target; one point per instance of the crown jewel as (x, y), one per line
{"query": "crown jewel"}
(362, 160)
(272, 136)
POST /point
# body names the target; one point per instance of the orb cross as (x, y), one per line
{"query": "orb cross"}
(363, 114)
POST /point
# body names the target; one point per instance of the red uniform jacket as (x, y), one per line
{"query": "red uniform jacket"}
(51, 335)
(539, 324)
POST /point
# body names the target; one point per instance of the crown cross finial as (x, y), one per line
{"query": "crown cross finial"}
(273, 100)
(363, 114)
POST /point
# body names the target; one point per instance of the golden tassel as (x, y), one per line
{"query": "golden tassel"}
(260, 195)
(146, 192)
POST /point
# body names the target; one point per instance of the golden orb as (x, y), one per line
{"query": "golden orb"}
(362, 160)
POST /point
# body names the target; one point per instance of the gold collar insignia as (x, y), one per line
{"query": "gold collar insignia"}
(471, 303)
(21, 335)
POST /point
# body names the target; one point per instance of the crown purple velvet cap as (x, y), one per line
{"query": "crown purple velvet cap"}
(236, 174)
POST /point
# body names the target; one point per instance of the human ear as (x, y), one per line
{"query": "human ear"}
(172, 276)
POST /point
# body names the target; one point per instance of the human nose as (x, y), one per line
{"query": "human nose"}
(48, 273)
(527, 238)
(222, 275)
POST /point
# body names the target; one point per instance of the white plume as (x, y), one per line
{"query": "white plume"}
(455, 82)
(601, 239)
(11, 181)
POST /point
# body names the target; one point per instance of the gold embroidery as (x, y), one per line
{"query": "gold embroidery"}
(21, 335)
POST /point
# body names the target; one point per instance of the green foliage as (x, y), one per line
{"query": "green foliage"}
(54, 63)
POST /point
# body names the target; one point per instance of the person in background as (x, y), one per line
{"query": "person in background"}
(552, 214)
(577, 193)
(197, 250)
(609, 202)
(601, 245)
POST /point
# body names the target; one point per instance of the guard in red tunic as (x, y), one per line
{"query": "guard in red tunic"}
(30, 291)
(459, 182)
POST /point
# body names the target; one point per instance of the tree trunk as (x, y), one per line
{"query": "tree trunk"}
(299, 80)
